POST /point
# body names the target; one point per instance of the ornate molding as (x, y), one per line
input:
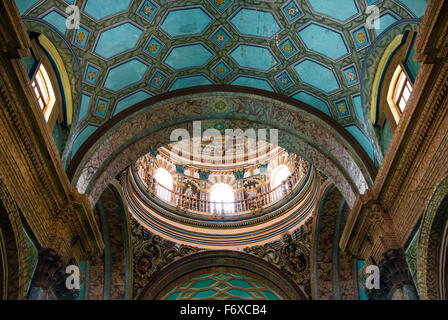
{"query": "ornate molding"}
(31, 168)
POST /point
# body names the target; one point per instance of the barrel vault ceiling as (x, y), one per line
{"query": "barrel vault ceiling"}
(130, 50)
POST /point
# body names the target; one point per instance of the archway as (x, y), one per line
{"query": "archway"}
(220, 265)
(13, 279)
(148, 125)
(431, 257)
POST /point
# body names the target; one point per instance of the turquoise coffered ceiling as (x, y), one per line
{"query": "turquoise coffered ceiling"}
(311, 50)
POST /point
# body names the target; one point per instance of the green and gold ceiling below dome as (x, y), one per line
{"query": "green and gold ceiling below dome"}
(130, 50)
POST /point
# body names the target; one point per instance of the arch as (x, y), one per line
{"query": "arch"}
(71, 63)
(429, 243)
(373, 68)
(13, 275)
(147, 125)
(332, 271)
(205, 262)
(110, 275)
(279, 175)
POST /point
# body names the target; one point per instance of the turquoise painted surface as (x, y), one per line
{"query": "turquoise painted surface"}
(362, 139)
(204, 294)
(189, 82)
(324, 41)
(84, 134)
(386, 137)
(255, 23)
(385, 21)
(253, 57)
(125, 74)
(174, 296)
(317, 75)
(82, 285)
(57, 20)
(117, 40)
(85, 102)
(186, 22)
(105, 8)
(29, 63)
(412, 65)
(240, 293)
(24, 5)
(313, 101)
(362, 293)
(203, 284)
(130, 101)
(189, 56)
(341, 9)
(57, 137)
(417, 7)
(358, 108)
(240, 283)
(252, 82)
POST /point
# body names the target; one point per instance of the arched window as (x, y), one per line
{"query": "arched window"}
(164, 178)
(400, 90)
(43, 91)
(222, 198)
(280, 174)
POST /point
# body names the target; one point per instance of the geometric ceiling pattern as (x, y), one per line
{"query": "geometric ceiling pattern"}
(221, 286)
(130, 50)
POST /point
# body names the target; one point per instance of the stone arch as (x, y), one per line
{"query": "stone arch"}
(429, 243)
(332, 271)
(111, 274)
(148, 125)
(13, 276)
(222, 261)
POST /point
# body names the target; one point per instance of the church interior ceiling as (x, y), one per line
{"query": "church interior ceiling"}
(128, 51)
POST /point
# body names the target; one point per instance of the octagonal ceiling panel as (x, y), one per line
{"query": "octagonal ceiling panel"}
(252, 82)
(186, 22)
(147, 47)
(105, 8)
(125, 74)
(117, 40)
(190, 81)
(188, 56)
(341, 10)
(256, 23)
(324, 41)
(253, 57)
(317, 75)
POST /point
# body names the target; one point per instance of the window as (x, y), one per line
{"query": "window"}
(399, 92)
(222, 198)
(43, 91)
(280, 174)
(164, 178)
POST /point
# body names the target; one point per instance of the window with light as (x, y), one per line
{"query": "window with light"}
(222, 198)
(280, 174)
(399, 93)
(43, 91)
(165, 180)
